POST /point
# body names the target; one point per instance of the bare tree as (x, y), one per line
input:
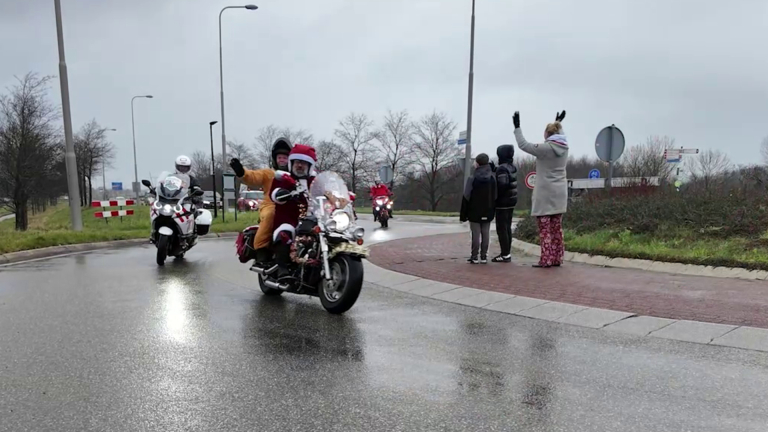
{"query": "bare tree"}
(396, 143)
(708, 168)
(28, 144)
(93, 152)
(435, 151)
(330, 157)
(764, 150)
(267, 137)
(240, 150)
(355, 137)
(647, 160)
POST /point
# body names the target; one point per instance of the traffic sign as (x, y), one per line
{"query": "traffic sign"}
(609, 144)
(462, 138)
(117, 186)
(386, 174)
(594, 174)
(530, 180)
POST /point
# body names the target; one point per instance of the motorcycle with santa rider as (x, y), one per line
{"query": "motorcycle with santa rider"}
(317, 247)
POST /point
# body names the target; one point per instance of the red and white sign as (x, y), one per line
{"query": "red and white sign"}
(530, 180)
(113, 203)
(113, 213)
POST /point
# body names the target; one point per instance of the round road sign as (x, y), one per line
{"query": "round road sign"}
(530, 180)
(609, 144)
(594, 174)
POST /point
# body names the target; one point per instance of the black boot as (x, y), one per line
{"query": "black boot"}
(283, 259)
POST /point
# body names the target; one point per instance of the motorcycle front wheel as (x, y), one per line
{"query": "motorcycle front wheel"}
(162, 249)
(340, 293)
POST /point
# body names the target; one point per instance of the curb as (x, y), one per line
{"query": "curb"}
(654, 266)
(57, 251)
(743, 337)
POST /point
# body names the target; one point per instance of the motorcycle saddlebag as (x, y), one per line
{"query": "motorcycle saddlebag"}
(244, 244)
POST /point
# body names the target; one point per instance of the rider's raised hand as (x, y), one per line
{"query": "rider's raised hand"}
(237, 167)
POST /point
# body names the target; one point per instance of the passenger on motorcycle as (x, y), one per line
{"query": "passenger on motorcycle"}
(377, 190)
(263, 178)
(290, 208)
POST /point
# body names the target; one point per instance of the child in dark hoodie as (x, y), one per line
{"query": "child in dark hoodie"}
(506, 184)
(479, 207)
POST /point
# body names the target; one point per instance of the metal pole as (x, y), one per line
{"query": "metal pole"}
(103, 181)
(135, 163)
(73, 190)
(468, 152)
(213, 174)
(225, 205)
(609, 180)
(221, 86)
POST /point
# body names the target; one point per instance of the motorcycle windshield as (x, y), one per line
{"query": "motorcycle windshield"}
(328, 193)
(172, 186)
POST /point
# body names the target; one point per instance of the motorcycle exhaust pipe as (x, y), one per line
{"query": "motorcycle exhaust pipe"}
(275, 285)
(264, 272)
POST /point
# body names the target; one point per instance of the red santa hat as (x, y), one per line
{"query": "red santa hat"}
(303, 153)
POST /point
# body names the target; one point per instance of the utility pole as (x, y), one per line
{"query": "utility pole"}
(468, 148)
(73, 190)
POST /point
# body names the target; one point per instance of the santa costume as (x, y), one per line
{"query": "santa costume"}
(289, 210)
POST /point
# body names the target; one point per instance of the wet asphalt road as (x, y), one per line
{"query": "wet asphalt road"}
(109, 341)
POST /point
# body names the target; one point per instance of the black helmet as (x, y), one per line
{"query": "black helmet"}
(281, 146)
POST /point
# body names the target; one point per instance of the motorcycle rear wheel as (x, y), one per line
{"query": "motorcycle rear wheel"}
(340, 293)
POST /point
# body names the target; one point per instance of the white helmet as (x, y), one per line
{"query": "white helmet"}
(183, 165)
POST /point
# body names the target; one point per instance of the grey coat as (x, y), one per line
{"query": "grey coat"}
(550, 194)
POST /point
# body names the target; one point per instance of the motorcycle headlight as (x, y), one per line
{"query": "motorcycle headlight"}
(331, 225)
(167, 210)
(389, 206)
(359, 233)
(342, 221)
(378, 208)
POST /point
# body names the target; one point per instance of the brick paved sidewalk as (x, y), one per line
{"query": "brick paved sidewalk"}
(443, 258)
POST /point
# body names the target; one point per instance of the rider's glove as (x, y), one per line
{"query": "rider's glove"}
(237, 167)
(281, 196)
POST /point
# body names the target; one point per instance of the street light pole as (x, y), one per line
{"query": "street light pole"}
(221, 85)
(136, 188)
(468, 154)
(213, 173)
(73, 189)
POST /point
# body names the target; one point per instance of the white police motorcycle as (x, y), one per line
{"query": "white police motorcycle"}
(176, 223)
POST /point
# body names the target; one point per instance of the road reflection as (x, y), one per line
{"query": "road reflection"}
(539, 376)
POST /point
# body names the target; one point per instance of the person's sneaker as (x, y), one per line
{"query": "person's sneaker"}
(483, 260)
(473, 261)
(503, 259)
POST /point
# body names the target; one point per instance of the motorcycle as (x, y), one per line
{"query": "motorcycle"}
(383, 205)
(326, 253)
(176, 223)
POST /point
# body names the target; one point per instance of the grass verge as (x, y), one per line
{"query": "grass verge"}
(684, 248)
(52, 228)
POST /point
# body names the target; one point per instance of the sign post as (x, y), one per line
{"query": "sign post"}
(229, 192)
(530, 180)
(387, 175)
(609, 147)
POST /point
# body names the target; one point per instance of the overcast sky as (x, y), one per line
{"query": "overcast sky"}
(695, 70)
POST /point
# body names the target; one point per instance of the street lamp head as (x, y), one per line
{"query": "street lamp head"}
(251, 7)
(213, 122)
(148, 96)
(112, 130)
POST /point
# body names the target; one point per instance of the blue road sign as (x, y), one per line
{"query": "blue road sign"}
(117, 186)
(594, 174)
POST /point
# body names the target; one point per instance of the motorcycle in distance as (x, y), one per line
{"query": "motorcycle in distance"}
(176, 223)
(382, 207)
(327, 251)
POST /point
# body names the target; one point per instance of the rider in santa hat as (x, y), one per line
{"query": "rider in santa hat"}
(289, 209)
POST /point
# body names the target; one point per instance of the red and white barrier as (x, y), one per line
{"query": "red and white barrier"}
(113, 203)
(113, 213)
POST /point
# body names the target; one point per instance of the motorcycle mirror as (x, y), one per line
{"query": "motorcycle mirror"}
(198, 192)
(146, 183)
